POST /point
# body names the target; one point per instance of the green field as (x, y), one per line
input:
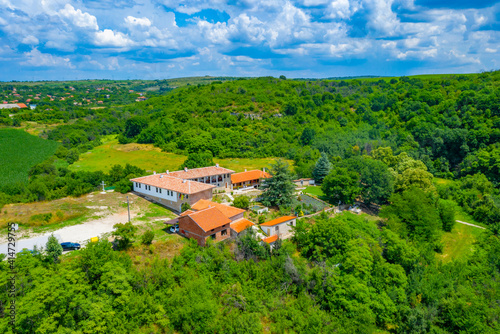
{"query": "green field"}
(150, 158)
(459, 243)
(19, 151)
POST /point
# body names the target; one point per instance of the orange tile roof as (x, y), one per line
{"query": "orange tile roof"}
(271, 239)
(248, 176)
(228, 211)
(200, 172)
(173, 183)
(241, 224)
(209, 219)
(22, 105)
(278, 221)
(187, 212)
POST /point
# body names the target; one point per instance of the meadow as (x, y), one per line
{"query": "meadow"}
(150, 158)
(19, 151)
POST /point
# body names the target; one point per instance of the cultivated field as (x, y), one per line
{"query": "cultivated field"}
(150, 158)
(19, 151)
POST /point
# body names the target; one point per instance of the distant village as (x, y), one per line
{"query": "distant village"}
(25, 98)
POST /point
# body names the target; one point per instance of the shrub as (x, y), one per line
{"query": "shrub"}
(147, 237)
(185, 206)
(242, 202)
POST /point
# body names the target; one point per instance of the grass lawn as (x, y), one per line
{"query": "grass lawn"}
(459, 242)
(150, 158)
(314, 190)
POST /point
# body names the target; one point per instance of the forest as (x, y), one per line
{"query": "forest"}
(414, 149)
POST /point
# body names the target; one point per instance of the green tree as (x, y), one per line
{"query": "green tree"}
(53, 249)
(341, 185)
(134, 126)
(278, 189)
(446, 210)
(413, 213)
(197, 160)
(322, 168)
(124, 235)
(376, 181)
(242, 202)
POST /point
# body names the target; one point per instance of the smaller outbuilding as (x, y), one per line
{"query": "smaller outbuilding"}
(304, 182)
(281, 227)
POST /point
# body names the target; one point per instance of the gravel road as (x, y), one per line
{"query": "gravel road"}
(77, 233)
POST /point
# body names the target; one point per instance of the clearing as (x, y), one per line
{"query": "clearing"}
(150, 158)
(97, 213)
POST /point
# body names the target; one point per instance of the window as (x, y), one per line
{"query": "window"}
(223, 232)
(212, 236)
(277, 228)
(156, 189)
(187, 196)
(160, 190)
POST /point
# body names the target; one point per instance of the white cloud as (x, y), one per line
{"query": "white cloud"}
(342, 9)
(421, 55)
(488, 50)
(38, 59)
(31, 40)
(79, 19)
(136, 21)
(110, 38)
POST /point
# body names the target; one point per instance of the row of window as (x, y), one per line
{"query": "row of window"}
(158, 190)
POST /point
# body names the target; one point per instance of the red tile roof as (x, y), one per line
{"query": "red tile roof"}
(278, 221)
(173, 183)
(248, 176)
(271, 239)
(241, 224)
(200, 172)
(228, 211)
(209, 219)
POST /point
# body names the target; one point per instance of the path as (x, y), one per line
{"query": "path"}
(461, 222)
(77, 233)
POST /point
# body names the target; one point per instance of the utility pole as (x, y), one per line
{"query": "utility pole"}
(128, 207)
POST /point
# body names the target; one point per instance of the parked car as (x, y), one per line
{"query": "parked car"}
(174, 229)
(70, 246)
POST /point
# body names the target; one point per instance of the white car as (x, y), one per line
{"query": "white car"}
(174, 229)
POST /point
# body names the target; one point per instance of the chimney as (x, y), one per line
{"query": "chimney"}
(167, 171)
(154, 173)
(245, 169)
(216, 165)
(264, 169)
(183, 180)
(185, 169)
(161, 176)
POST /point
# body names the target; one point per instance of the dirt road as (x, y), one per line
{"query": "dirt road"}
(77, 233)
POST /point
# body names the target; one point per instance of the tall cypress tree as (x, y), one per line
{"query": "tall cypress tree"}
(278, 190)
(322, 168)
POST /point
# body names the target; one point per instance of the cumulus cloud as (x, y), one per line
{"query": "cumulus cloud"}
(79, 18)
(39, 59)
(135, 21)
(31, 40)
(108, 37)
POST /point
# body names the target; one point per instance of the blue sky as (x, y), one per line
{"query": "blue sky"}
(157, 39)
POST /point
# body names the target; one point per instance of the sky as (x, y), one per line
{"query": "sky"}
(162, 39)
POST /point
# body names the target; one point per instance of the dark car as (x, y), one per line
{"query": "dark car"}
(70, 246)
